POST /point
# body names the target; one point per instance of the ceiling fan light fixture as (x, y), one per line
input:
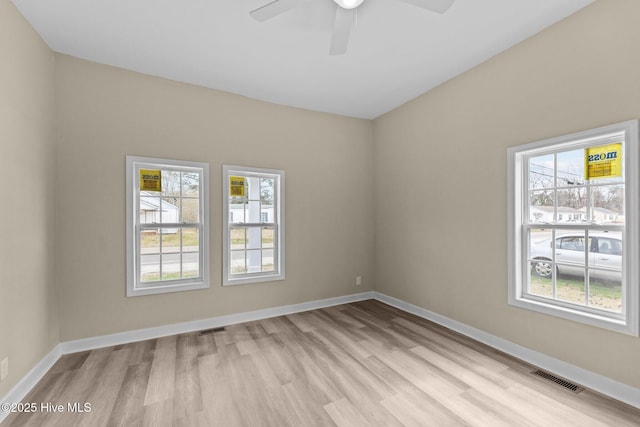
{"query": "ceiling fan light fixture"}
(348, 4)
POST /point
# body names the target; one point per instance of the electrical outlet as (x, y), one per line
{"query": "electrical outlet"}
(4, 368)
(358, 280)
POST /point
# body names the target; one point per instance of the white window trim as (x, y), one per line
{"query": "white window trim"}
(516, 246)
(132, 162)
(279, 274)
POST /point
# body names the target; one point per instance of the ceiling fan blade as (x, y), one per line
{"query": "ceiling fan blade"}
(438, 6)
(341, 30)
(273, 9)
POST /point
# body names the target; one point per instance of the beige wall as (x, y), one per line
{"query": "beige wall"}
(106, 113)
(441, 192)
(28, 304)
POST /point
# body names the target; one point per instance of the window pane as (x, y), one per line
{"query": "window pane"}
(191, 252)
(540, 282)
(238, 264)
(253, 186)
(572, 205)
(267, 260)
(149, 268)
(254, 237)
(170, 240)
(267, 237)
(570, 168)
(605, 290)
(190, 239)
(170, 210)
(541, 209)
(190, 210)
(236, 213)
(541, 173)
(540, 244)
(170, 183)
(170, 262)
(190, 265)
(608, 204)
(605, 279)
(190, 184)
(541, 264)
(253, 211)
(537, 235)
(149, 209)
(238, 238)
(266, 191)
(571, 250)
(571, 289)
(150, 241)
(254, 261)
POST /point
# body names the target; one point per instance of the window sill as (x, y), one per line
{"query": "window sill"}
(575, 315)
(258, 278)
(163, 289)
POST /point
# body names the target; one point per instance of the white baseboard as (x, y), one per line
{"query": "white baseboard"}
(198, 325)
(591, 380)
(596, 382)
(29, 381)
(17, 393)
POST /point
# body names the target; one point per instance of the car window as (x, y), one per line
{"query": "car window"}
(609, 246)
(571, 243)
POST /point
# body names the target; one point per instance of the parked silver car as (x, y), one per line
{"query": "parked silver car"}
(604, 254)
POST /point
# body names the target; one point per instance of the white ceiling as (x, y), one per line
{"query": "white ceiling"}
(396, 51)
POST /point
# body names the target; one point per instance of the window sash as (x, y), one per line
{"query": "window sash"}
(588, 185)
(261, 249)
(168, 282)
(527, 260)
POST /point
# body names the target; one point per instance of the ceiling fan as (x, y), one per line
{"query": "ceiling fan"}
(344, 18)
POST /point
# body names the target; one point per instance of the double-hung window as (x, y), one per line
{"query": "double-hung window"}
(573, 227)
(253, 225)
(167, 225)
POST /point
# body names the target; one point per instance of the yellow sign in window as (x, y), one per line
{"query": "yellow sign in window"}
(603, 162)
(150, 180)
(236, 186)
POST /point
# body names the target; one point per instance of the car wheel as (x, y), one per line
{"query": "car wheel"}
(543, 268)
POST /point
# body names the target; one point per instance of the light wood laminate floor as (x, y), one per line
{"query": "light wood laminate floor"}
(360, 364)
